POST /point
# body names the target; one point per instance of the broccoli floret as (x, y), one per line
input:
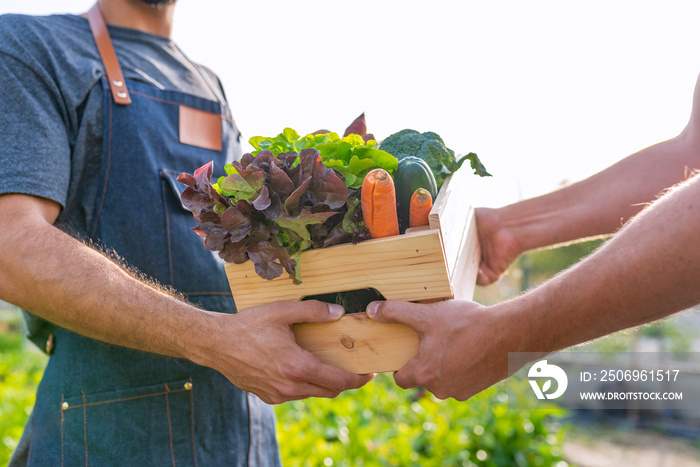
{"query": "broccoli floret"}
(431, 148)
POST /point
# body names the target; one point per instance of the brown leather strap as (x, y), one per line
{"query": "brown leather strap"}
(109, 59)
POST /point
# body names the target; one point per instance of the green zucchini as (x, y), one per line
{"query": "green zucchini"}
(411, 174)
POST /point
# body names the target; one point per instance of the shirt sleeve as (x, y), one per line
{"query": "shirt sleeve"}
(35, 155)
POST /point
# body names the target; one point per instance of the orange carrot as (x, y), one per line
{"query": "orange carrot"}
(379, 204)
(421, 204)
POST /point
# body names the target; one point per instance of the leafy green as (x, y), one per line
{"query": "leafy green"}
(299, 225)
(350, 156)
(268, 208)
(431, 148)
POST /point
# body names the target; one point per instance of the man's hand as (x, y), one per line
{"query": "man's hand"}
(460, 352)
(499, 246)
(257, 352)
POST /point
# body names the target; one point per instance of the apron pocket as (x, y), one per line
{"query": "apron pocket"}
(195, 270)
(150, 425)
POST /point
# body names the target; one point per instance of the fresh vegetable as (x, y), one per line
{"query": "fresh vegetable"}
(379, 204)
(270, 208)
(350, 156)
(411, 174)
(421, 204)
(293, 193)
(430, 147)
(359, 127)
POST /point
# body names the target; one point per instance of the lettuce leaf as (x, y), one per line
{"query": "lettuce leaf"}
(270, 207)
(350, 156)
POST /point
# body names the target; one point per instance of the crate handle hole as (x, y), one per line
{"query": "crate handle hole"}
(354, 301)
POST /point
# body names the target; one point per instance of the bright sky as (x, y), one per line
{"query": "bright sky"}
(542, 90)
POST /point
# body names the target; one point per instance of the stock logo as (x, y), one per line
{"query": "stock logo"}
(541, 370)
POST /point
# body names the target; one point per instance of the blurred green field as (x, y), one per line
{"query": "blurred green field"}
(382, 425)
(21, 367)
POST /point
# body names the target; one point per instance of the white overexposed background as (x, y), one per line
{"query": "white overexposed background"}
(543, 91)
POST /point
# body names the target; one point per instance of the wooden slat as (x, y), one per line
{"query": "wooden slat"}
(439, 205)
(407, 267)
(449, 215)
(463, 278)
(358, 344)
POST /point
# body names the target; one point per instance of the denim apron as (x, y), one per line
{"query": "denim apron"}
(105, 405)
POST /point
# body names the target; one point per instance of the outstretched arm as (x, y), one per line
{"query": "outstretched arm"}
(648, 270)
(598, 205)
(51, 274)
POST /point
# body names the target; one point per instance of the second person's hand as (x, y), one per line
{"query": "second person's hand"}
(499, 245)
(461, 346)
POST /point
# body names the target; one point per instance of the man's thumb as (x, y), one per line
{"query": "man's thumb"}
(394, 311)
(313, 311)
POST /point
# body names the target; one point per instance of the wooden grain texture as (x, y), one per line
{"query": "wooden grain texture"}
(358, 344)
(406, 267)
(450, 215)
(466, 267)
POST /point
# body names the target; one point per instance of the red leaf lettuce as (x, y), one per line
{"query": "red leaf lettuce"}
(270, 208)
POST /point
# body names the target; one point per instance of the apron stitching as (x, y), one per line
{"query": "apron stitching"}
(166, 101)
(154, 98)
(62, 418)
(109, 157)
(167, 229)
(194, 454)
(85, 428)
(259, 404)
(88, 404)
(229, 119)
(166, 191)
(250, 430)
(31, 445)
(170, 426)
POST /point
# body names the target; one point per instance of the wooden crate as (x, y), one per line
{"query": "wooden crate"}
(426, 265)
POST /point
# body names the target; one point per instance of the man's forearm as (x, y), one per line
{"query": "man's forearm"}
(64, 281)
(649, 270)
(602, 203)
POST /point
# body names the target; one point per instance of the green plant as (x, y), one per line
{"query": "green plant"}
(21, 367)
(430, 147)
(382, 425)
(351, 156)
